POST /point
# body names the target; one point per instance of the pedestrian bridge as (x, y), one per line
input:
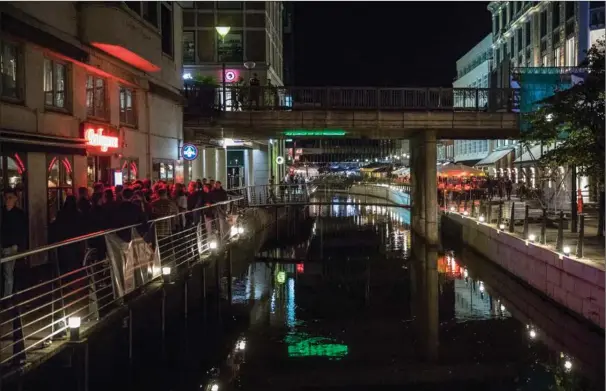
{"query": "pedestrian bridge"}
(363, 194)
(353, 112)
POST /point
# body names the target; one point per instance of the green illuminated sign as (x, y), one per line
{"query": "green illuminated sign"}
(304, 345)
(281, 277)
(307, 133)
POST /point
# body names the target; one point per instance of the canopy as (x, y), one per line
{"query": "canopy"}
(402, 171)
(459, 170)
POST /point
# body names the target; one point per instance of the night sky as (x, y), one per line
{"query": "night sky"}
(399, 44)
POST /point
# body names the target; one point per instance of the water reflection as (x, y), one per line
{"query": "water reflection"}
(367, 299)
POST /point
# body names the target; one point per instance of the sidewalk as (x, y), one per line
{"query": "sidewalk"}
(593, 246)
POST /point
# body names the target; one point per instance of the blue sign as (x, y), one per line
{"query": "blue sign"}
(190, 152)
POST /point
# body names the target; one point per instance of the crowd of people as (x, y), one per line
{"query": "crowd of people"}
(110, 207)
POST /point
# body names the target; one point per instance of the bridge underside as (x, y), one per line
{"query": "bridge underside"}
(375, 124)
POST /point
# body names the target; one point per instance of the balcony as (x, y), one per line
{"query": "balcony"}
(116, 31)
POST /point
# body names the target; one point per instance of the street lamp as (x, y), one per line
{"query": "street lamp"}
(223, 31)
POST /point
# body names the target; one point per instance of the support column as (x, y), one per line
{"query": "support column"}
(414, 188)
(431, 188)
(197, 166)
(248, 167)
(222, 166)
(210, 163)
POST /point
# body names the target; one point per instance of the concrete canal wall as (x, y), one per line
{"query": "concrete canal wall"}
(572, 283)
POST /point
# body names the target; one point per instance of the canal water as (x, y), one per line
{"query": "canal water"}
(349, 300)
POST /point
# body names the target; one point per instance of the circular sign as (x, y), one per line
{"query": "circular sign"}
(280, 160)
(230, 75)
(190, 152)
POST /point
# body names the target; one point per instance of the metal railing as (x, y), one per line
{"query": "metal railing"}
(90, 276)
(201, 99)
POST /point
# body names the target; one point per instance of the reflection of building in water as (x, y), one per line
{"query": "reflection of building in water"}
(472, 300)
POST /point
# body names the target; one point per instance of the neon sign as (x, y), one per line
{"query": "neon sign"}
(96, 138)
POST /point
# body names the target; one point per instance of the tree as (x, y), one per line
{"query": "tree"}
(571, 123)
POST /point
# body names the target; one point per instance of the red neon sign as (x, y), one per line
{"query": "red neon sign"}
(98, 139)
(300, 268)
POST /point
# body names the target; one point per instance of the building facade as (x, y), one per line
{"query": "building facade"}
(89, 92)
(255, 36)
(542, 37)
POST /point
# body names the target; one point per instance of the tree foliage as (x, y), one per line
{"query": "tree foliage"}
(571, 122)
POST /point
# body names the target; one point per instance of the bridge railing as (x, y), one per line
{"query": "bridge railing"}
(302, 194)
(83, 280)
(201, 99)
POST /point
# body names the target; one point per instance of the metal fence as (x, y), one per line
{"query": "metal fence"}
(82, 280)
(201, 98)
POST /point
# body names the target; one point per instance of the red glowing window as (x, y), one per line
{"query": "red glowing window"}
(95, 137)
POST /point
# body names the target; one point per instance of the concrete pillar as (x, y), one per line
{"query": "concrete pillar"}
(222, 166)
(37, 202)
(260, 166)
(414, 190)
(248, 167)
(210, 163)
(431, 188)
(80, 177)
(197, 166)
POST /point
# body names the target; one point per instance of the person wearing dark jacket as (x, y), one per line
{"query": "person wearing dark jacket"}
(219, 195)
(193, 202)
(129, 213)
(13, 236)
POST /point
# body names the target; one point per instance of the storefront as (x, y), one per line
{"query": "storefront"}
(41, 168)
(103, 146)
(163, 170)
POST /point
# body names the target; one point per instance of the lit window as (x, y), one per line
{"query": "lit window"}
(545, 61)
(54, 84)
(557, 55)
(127, 106)
(9, 82)
(95, 97)
(571, 52)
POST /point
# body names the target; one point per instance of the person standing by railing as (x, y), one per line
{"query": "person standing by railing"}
(13, 236)
(255, 91)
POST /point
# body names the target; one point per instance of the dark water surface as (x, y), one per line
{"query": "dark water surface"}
(348, 300)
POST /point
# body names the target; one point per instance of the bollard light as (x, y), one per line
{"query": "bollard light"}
(465, 213)
(566, 250)
(74, 322)
(214, 387)
(452, 208)
(568, 365)
(234, 231)
(481, 219)
(166, 274)
(240, 230)
(532, 333)
(532, 238)
(502, 308)
(241, 345)
(502, 227)
(213, 245)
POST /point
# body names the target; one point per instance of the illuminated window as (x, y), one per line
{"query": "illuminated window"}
(557, 55)
(127, 107)
(230, 49)
(59, 183)
(130, 169)
(96, 97)
(9, 68)
(571, 52)
(55, 79)
(189, 47)
(163, 170)
(12, 176)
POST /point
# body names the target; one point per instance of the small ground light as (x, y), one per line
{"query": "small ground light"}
(240, 230)
(234, 231)
(213, 246)
(241, 345)
(214, 387)
(532, 238)
(501, 227)
(74, 322)
(532, 334)
(568, 365)
(481, 219)
(166, 274)
(452, 208)
(502, 308)
(566, 250)
(465, 213)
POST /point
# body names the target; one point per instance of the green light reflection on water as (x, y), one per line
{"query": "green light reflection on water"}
(304, 345)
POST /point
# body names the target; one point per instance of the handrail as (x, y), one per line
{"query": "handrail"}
(29, 253)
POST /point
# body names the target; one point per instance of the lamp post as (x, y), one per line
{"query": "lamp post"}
(223, 31)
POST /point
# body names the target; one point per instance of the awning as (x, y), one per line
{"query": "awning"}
(28, 142)
(494, 157)
(533, 155)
